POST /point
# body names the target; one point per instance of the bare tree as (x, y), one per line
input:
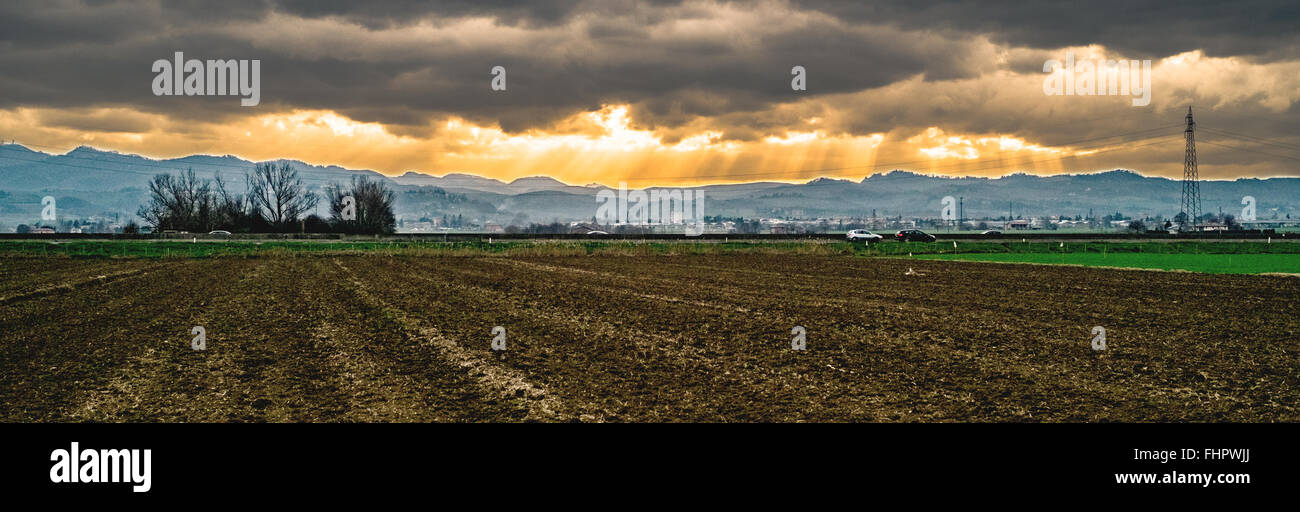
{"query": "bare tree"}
(231, 211)
(373, 202)
(276, 193)
(181, 202)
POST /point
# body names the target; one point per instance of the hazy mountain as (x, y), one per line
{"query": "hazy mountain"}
(87, 181)
(463, 182)
(457, 181)
(90, 169)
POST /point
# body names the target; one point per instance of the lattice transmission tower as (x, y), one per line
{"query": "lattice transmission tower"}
(1191, 209)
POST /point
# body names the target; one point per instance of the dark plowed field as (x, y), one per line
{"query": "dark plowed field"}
(639, 338)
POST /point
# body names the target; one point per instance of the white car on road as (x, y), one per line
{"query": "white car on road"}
(863, 235)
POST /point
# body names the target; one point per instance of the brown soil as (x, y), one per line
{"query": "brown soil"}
(639, 338)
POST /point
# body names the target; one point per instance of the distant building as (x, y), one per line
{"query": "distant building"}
(582, 228)
(1019, 224)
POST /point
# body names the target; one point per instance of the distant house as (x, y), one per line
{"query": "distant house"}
(582, 228)
(1019, 224)
(492, 227)
(42, 231)
(1212, 226)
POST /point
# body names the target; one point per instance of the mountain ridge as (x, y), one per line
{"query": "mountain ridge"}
(100, 181)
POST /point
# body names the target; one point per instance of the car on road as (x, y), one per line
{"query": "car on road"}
(219, 232)
(863, 235)
(992, 232)
(913, 235)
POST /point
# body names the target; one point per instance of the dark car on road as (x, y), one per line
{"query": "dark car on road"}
(913, 235)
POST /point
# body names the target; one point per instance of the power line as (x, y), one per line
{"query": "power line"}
(1054, 159)
(1014, 163)
(146, 163)
(1247, 135)
(958, 165)
(785, 174)
(178, 166)
(61, 164)
(1254, 139)
(1251, 150)
(769, 173)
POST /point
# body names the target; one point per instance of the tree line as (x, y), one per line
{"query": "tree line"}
(274, 200)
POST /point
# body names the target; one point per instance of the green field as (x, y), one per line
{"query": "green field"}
(1207, 263)
(1207, 257)
(1105, 248)
(1195, 256)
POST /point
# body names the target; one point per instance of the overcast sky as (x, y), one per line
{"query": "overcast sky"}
(663, 92)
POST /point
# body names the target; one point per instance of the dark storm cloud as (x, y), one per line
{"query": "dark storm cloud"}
(61, 23)
(405, 63)
(102, 121)
(1140, 28)
(98, 53)
(383, 14)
